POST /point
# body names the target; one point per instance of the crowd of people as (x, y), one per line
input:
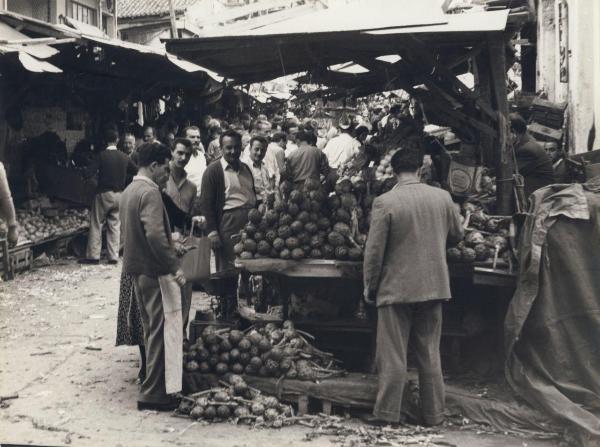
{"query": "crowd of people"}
(151, 189)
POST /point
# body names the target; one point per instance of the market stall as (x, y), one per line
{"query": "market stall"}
(307, 243)
(60, 89)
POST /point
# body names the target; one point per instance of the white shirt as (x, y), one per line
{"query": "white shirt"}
(275, 160)
(196, 167)
(340, 149)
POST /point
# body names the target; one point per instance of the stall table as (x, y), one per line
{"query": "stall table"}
(281, 272)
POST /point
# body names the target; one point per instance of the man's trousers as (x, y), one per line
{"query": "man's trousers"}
(105, 208)
(396, 322)
(147, 292)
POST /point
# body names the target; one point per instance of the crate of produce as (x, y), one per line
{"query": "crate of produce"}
(19, 259)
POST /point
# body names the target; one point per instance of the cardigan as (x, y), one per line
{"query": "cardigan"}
(212, 199)
(146, 231)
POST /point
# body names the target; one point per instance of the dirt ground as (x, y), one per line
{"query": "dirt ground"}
(57, 336)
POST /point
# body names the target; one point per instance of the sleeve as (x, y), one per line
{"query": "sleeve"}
(324, 168)
(455, 229)
(152, 218)
(7, 208)
(208, 201)
(177, 218)
(131, 167)
(376, 245)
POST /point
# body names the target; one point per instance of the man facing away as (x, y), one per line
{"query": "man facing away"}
(342, 148)
(406, 277)
(147, 255)
(113, 168)
(307, 161)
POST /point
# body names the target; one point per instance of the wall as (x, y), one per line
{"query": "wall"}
(581, 87)
(38, 9)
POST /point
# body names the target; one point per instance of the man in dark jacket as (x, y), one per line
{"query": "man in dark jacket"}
(113, 168)
(227, 196)
(307, 161)
(148, 253)
(534, 163)
(406, 277)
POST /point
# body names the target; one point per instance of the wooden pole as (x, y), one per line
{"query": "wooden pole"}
(484, 90)
(173, 20)
(503, 157)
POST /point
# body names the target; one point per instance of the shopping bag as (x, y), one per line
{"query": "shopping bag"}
(195, 264)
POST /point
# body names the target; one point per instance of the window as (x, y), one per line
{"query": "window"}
(83, 13)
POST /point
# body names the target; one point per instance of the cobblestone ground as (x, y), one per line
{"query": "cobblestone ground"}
(57, 332)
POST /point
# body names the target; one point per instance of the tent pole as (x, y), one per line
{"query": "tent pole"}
(503, 156)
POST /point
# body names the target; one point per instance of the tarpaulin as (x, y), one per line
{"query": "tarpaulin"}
(552, 328)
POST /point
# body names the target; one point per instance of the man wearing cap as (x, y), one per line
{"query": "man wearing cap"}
(342, 148)
(406, 277)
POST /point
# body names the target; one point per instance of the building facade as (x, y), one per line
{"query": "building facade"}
(100, 14)
(568, 65)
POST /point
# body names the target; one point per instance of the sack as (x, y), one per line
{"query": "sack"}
(195, 264)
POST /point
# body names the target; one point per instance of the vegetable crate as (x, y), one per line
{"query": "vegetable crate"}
(15, 260)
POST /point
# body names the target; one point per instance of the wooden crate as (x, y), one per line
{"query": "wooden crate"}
(15, 260)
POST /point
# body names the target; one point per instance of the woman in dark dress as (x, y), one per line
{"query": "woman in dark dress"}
(129, 324)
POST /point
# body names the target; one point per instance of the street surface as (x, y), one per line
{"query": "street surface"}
(57, 336)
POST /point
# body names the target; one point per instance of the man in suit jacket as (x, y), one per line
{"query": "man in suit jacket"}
(148, 253)
(406, 277)
(227, 196)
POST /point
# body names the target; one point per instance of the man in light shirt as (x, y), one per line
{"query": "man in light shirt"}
(228, 195)
(275, 156)
(264, 180)
(342, 148)
(197, 164)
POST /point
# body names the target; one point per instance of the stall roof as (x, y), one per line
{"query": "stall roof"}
(129, 60)
(335, 36)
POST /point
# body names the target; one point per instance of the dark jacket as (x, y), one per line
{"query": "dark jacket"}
(146, 231)
(212, 199)
(534, 163)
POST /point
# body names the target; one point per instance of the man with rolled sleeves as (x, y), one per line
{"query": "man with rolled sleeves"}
(406, 277)
(227, 195)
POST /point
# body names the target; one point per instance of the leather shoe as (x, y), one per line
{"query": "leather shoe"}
(113, 261)
(374, 420)
(89, 261)
(167, 406)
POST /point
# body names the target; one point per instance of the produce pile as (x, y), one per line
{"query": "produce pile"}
(307, 223)
(236, 402)
(34, 226)
(486, 237)
(269, 351)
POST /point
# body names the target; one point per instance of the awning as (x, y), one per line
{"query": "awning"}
(106, 57)
(349, 33)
